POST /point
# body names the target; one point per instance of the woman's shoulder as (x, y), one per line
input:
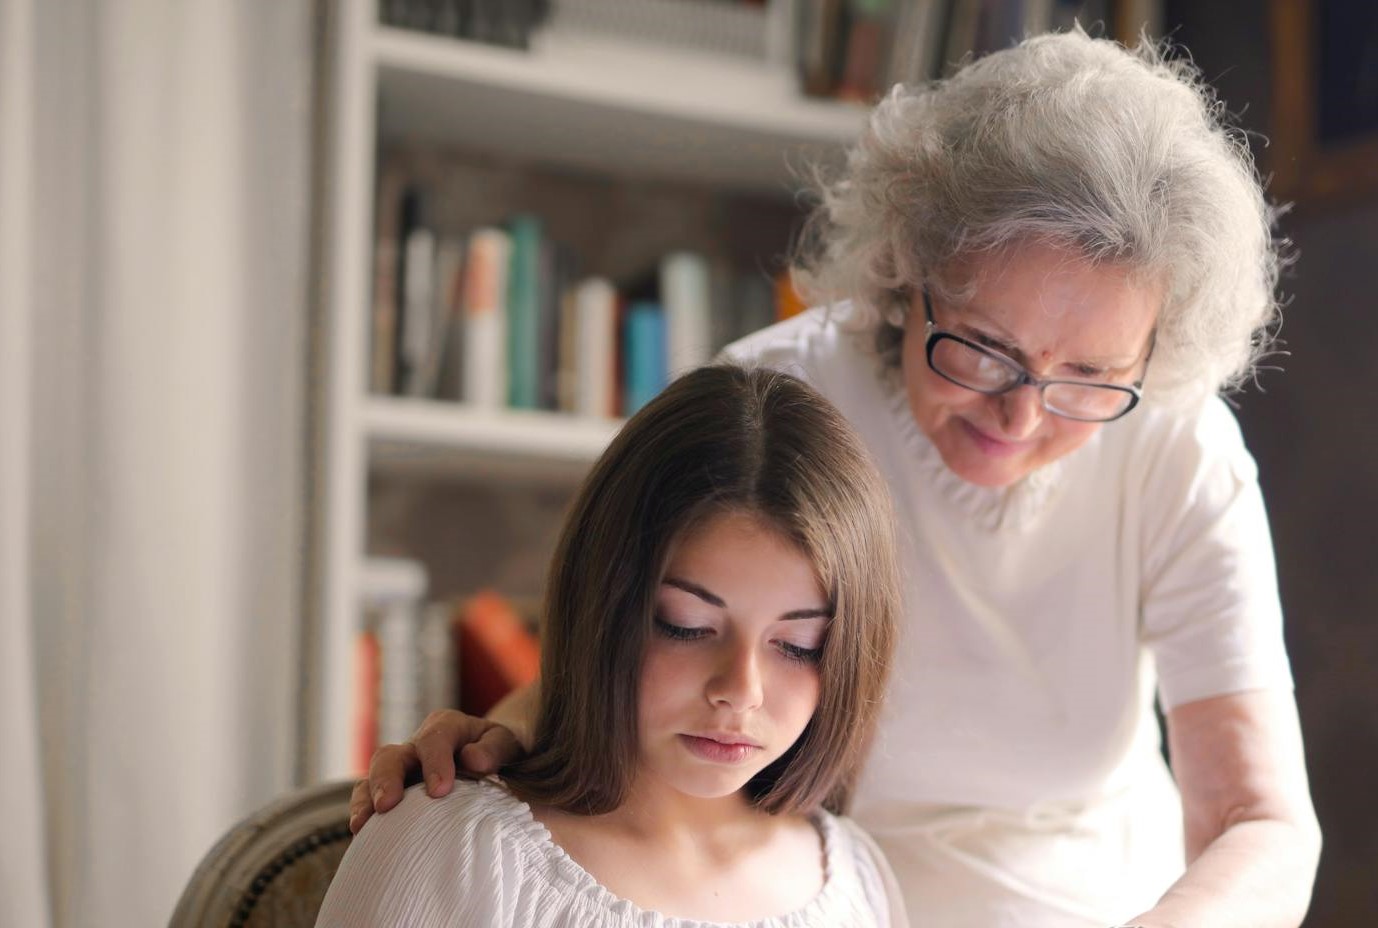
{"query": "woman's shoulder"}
(429, 861)
(804, 345)
(1183, 444)
(477, 819)
(831, 349)
(859, 873)
(470, 803)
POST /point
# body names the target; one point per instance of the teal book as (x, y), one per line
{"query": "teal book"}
(523, 313)
(643, 355)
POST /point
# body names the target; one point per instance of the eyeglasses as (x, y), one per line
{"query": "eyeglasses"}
(978, 368)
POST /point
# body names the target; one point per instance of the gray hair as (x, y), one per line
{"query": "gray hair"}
(1122, 155)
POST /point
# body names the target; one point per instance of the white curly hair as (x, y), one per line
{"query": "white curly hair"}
(1124, 156)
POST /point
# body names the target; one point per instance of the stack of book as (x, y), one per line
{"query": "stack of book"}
(403, 670)
(497, 22)
(859, 49)
(500, 317)
(415, 657)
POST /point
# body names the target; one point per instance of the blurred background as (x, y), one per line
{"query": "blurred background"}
(313, 312)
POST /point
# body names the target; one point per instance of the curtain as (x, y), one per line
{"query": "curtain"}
(154, 165)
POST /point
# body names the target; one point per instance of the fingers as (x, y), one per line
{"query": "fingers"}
(496, 747)
(360, 806)
(482, 746)
(387, 773)
(438, 739)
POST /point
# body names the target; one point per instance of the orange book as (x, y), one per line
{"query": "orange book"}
(787, 300)
(497, 653)
(366, 670)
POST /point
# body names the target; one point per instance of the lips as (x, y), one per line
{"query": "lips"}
(990, 445)
(720, 748)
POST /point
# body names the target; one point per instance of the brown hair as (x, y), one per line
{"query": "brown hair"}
(718, 439)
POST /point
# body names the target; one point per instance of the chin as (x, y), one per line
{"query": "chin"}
(975, 468)
(711, 786)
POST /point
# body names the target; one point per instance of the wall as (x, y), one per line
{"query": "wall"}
(1314, 431)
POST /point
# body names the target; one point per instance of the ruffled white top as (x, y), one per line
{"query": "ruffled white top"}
(478, 859)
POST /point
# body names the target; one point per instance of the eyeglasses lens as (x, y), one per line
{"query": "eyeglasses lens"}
(978, 370)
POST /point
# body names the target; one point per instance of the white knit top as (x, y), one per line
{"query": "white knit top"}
(478, 858)
(1016, 776)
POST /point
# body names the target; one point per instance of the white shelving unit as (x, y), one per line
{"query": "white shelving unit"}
(612, 108)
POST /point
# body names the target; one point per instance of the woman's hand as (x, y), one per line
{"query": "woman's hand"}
(481, 745)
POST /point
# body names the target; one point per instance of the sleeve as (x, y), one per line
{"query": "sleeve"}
(428, 862)
(1211, 613)
(878, 882)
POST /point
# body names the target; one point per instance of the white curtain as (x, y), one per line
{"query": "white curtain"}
(153, 249)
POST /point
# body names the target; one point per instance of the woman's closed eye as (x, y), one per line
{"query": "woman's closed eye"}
(677, 632)
(800, 653)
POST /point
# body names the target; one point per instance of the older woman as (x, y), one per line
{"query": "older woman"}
(1035, 278)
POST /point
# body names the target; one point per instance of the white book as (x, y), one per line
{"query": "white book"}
(595, 312)
(684, 292)
(485, 318)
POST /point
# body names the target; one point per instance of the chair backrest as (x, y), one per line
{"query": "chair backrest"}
(272, 869)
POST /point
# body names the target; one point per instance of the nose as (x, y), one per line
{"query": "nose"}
(736, 682)
(1021, 412)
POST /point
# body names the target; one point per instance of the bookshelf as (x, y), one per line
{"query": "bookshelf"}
(604, 105)
(612, 107)
(651, 116)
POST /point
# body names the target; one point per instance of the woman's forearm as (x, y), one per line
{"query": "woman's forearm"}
(517, 712)
(1257, 874)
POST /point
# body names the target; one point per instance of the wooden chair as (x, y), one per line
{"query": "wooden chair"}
(272, 869)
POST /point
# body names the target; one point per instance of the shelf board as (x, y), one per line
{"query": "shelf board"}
(609, 106)
(435, 438)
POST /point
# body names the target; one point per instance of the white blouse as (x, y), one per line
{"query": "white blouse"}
(478, 859)
(1017, 777)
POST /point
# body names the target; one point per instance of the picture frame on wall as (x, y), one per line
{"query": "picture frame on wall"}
(1324, 146)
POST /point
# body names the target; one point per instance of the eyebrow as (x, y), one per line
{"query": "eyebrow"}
(716, 601)
(1008, 344)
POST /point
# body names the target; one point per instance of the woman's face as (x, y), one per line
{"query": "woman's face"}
(730, 678)
(1057, 315)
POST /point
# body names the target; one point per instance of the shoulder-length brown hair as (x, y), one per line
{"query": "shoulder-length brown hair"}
(720, 438)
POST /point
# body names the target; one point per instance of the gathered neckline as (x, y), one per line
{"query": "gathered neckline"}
(1012, 508)
(580, 880)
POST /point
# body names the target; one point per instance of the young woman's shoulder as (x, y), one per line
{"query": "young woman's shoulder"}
(856, 861)
(436, 861)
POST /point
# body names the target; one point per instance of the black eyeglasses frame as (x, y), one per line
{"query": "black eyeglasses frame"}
(933, 335)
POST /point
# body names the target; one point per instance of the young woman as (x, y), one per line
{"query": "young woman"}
(718, 629)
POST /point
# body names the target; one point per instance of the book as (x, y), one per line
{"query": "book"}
(415, 271)
(365, 691)
(643, 355)
(523, 308)
(963, 21)
(436, 659)
(555, 272)
(870, 27)
(386, 258)
(485, 318)
(391, 593)
(497, 652)
(594, 364)
(685, 295)
(818, 52)
(917, 44)
(445, 308)
(756, 303)
(567, 365)
(788, 302)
